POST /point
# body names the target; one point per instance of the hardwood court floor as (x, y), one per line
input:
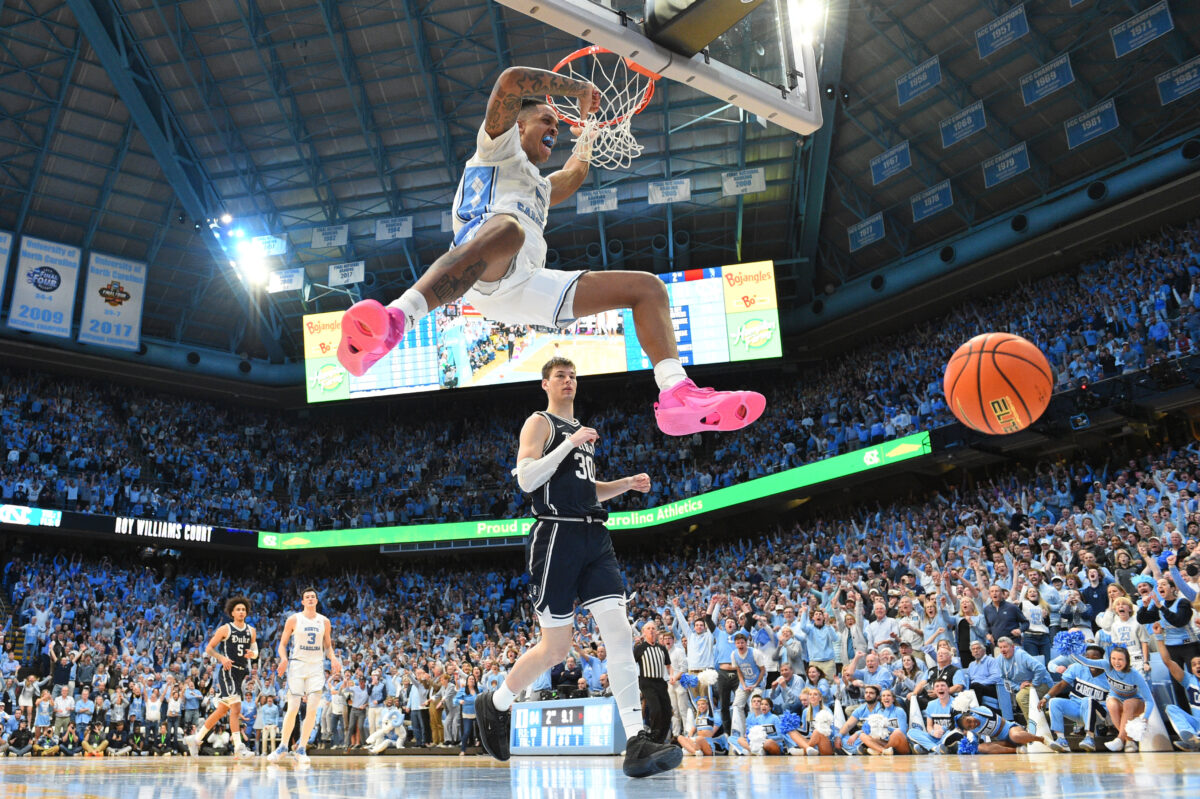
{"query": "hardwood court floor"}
(1153, 776)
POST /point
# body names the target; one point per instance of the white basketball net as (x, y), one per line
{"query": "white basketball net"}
(606, 140)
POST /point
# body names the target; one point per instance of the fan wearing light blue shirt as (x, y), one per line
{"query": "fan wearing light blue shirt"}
(1184, 719)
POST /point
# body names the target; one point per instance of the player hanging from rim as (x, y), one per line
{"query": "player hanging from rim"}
(305, 671)
(234, 645)
(570, 556)
(498, 257)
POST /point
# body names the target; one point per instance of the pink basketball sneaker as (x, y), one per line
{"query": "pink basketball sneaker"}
(684, 409)
(369, 331)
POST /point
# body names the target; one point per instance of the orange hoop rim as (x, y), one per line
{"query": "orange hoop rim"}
(596, 49)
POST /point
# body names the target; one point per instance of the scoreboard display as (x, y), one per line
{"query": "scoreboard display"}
(567, 727)
(721, 314)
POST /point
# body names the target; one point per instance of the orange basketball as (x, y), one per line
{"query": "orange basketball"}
(998, 383)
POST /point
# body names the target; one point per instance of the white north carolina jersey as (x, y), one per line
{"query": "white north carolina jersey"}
(308, 639)
(500, 179)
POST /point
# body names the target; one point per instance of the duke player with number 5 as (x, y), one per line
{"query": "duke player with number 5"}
(497, 261)
(311, 638)
(234, 645)
(570, 557)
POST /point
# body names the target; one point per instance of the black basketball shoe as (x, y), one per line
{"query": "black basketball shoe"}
(645, 756)
(493, 726)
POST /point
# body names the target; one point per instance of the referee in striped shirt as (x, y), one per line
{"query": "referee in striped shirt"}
(652, 659)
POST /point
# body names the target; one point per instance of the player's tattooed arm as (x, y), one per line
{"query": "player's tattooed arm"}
(517, 83)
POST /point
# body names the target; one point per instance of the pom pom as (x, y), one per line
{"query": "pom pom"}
(1136, 728)
(756, 737)
(708, 677)
(1070, 642)
(688, 680)
(877, 726)
(823, 723)
(968, 745)
(963, 701)
(789, 722)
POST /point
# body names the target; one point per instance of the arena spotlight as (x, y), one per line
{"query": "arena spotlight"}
(805, 18)
(238, 233)
(226, 219)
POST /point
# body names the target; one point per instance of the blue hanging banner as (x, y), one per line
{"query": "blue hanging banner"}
(1092, 123)
(932, 201)
(1179, 82)
(890, 162)
(1141, 29)
(917, 81)
(1005, 166)
(1046, 80)
(868, 231)
(1002, 31)
(962, 125)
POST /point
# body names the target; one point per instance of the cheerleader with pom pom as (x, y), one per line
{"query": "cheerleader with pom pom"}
(1184, 718)
(979, 723)
(762, 730)
(1128, 699)
(698, 739)
(808, 732)
(886, 727)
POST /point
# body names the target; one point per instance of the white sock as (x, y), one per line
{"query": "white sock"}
(503, 698)
(668, 372)
(412, 304)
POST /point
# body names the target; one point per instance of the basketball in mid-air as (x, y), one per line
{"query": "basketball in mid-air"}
(998, 383)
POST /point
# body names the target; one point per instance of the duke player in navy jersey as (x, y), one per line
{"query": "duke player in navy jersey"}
(235, 646)
(570, 558)
(498, 258)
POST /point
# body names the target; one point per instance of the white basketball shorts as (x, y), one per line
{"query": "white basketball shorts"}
(305, 678)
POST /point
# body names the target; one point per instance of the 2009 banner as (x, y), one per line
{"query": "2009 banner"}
(43, 299)
(112, 302)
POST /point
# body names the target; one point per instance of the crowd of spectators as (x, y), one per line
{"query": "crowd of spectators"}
(69, 443)
(863, 609)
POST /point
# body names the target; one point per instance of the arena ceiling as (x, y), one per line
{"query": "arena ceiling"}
(127, 124)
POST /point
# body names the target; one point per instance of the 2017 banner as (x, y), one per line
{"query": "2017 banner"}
(113, 301)
(43, 298)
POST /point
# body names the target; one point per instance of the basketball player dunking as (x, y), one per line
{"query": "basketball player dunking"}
(570, 557)
(311, 639)
(498, 257)
(234, 645)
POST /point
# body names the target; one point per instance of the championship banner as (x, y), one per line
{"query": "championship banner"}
(5, 250)
(345, 274)
(1046, 80)
(112, 302)
(43, 298)
(1005, 166)
(1141, 29)
(1002, 31)
(595, 201)
(868, 231)
(1091, 124)
(332, 236)
(917, 81)
(1172, 85)
(932, 201)
(270, 245)
(396, 227)
(890, 162)
(286, 280)
(746, 181)
(670, 191)
(962, 125)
